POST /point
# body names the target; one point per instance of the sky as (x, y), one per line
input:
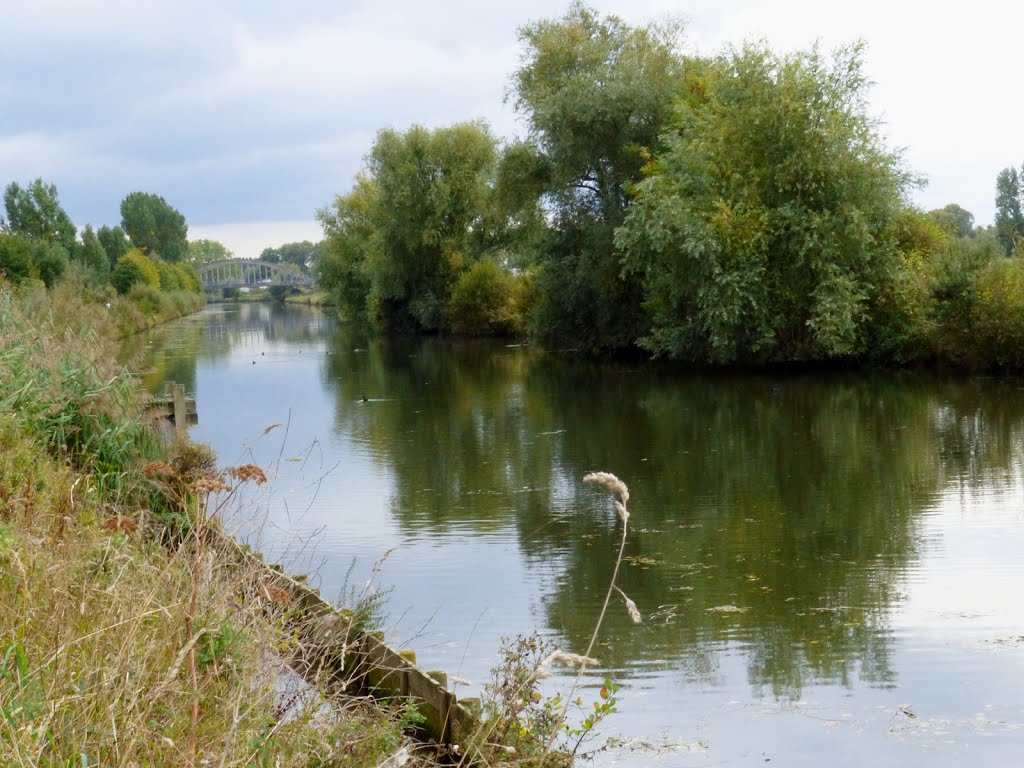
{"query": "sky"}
(249, 116)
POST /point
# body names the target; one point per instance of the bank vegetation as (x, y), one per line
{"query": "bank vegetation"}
(740, 208)
(123, 643)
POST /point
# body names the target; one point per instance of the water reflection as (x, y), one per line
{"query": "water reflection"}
(778, 512)
(775, 517)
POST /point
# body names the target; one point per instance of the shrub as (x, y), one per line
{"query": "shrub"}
(50, 261)
(189, 277)
(998, 313)
(141, 270)
(483, 301)
(153, 303)
(126, 274)
(954, 273)
(15, 256)
(170, 278)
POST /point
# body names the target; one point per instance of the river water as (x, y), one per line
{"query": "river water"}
(830, 565)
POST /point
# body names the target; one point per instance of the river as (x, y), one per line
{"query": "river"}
(829, 565)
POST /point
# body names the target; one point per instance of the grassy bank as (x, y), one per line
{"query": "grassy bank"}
(123, 643)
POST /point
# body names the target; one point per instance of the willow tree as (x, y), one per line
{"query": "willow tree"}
(408, 229)
(768, 227)
(595, 93)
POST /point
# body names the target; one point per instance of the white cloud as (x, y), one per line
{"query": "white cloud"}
(247, 239)
(258, 110)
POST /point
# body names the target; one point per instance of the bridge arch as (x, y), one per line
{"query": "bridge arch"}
(239, 273)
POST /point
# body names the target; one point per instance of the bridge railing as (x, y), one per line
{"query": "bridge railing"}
(251, 272)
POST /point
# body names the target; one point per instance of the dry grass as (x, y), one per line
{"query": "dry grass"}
(121, 645)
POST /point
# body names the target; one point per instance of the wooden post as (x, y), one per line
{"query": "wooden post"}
(180, 407)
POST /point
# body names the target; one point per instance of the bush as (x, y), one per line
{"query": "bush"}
(15, 257)
(189, 277)
(998, 313)
(185, 302)
(153, 302)
(22, 258)
(170, 278)
(955, 272)
(126, 274)
(134, 268)
(484, 301)
(50, 261)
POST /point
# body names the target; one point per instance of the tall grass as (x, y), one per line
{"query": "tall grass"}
(120, 646)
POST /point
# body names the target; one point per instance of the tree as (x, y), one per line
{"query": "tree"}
(154, 227)
(115, 243)
(412, 221)
(49, 261)
(596, 93)
(203, 251)
(1009, 217)
(769, 224)
(92, 254)
(342, 271)
(15, 257)
(35, 212)
(954, 220)
(302, 254)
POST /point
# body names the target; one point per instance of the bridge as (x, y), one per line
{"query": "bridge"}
(253, 273)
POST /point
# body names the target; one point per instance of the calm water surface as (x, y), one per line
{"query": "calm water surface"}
(830, 566)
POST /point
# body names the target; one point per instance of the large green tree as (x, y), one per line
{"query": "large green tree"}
(92, 254)
(342, 270)
(768, 227)
(420, 200)
(154, 227)
(595, 92)
(35, 212)
(954, 220)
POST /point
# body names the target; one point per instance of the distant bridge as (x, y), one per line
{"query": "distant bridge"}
(240, 273)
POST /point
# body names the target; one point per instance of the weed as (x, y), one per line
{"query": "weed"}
(520, 723)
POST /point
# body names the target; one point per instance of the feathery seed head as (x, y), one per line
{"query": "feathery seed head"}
(610, 482)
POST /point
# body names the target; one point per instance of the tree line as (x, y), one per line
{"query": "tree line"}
(738, 208)
(149, 248)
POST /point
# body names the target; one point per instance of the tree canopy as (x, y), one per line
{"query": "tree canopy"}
(205, 251)
(35, 212)
(768, 225)
(302, 254)
(1009, 216)
(154, 227)
(419, 202)
(595, 92)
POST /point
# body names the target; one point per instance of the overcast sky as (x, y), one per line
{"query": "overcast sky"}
(248, 116)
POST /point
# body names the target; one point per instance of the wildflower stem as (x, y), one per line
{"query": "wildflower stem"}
(597, 626)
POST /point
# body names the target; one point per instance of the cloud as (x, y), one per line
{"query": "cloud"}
(248, 239)
(239, 111)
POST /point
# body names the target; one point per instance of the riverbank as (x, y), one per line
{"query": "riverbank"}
(125, 640)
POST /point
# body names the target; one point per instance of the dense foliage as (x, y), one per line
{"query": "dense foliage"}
(154, 227)
(595, 94)
(38, 246)
(766, 228)
(399, 269)
(740, 208)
